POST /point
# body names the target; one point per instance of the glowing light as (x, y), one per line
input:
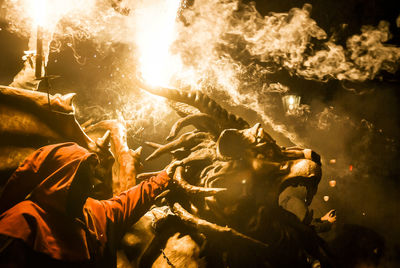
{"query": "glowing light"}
(39, 12)
(332, 183)
(291, 103)
(332, 161)
(39, 19)
(47, 14)
(351, 168)
(155, 33)
(326, 198)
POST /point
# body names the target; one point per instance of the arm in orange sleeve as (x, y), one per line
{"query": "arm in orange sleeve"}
(123, 210)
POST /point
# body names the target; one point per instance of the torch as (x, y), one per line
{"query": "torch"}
(40, 10)
(39, 53)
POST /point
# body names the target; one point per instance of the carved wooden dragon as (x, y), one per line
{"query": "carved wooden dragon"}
(231, 202)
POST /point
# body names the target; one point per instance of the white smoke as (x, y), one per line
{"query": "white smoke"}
(366, 56)
(225, 47)
(224, 42)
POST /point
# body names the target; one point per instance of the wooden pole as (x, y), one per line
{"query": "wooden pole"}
(39, 52)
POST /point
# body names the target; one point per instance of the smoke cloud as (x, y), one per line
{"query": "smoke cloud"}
(225, 48)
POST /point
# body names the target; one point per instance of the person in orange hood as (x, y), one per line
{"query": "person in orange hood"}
(47, 218)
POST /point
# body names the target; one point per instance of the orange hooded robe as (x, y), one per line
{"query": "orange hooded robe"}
(36, 228)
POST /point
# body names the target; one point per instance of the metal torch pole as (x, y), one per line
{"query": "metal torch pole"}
(39, 53)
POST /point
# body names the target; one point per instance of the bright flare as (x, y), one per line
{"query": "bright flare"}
(291, 100)
(155, 34)
(39, 12)
(47, 13)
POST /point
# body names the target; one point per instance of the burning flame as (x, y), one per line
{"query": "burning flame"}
(27, 16)
(39, 12)
(155, 33)
(47, 14)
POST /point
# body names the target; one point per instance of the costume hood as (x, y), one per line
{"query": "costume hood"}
(45, 176)
(33, 205)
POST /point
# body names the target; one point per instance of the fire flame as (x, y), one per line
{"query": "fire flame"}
(155, 33)
(46, 13)
(39, 12)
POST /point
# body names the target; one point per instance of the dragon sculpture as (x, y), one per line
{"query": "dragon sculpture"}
(244, 199)
(241, 200)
